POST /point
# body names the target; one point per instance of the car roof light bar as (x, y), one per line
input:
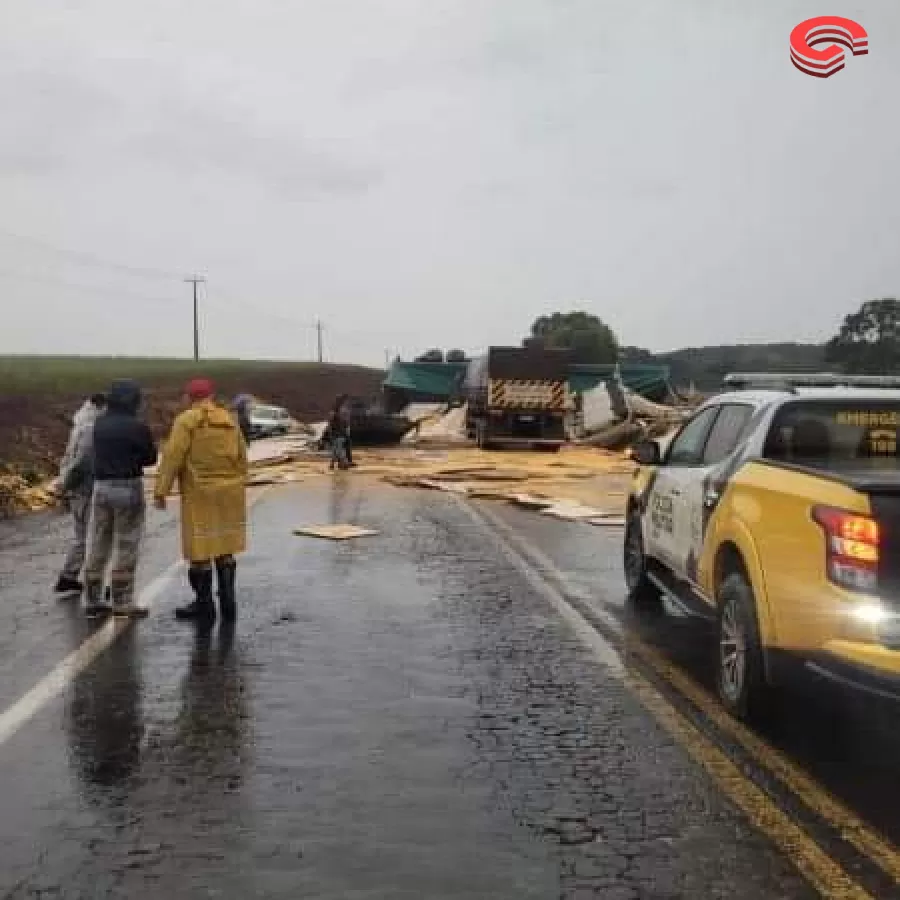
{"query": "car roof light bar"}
(780, 381)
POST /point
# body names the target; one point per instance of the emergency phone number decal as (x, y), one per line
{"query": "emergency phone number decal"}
(867, 419)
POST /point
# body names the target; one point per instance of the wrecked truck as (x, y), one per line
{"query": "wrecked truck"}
(518, 396)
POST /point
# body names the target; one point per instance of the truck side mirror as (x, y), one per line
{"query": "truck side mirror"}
(646, 453)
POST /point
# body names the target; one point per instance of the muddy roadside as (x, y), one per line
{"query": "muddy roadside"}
(34, 424)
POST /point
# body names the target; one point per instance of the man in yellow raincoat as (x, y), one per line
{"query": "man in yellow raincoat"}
(207, 455)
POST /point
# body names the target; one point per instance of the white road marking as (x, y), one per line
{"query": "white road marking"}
(604, 651)
(55, 682)
(549, 570)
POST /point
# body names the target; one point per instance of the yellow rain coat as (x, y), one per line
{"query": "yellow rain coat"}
(206, 453)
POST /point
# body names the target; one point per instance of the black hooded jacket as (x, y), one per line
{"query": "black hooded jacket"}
(123, 445)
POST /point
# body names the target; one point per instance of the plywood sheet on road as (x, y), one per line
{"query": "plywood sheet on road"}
(334, 532)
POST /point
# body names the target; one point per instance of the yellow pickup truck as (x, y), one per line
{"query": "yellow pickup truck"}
(775, 512)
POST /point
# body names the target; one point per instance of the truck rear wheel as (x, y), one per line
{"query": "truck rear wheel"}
(740, 670)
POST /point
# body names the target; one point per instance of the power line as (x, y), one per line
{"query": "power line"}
(90, 259)
(220, 299)
(86, 288)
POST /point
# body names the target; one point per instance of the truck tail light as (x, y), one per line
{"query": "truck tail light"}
(851, 548)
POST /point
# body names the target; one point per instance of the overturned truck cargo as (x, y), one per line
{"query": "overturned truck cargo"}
(372, 426)
(518, 395)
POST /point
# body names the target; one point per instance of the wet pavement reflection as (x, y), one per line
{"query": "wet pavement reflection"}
(212, 724)
(105, 725)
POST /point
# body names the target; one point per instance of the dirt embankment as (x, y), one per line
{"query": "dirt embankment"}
(34, 425)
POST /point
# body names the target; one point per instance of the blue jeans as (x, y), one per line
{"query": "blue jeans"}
(339, 452)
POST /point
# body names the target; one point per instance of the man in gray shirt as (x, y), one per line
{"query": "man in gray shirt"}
(76, 483)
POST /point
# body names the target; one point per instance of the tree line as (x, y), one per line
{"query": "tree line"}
(868, 342)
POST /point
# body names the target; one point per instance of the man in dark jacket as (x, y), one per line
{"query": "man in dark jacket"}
(242, 405)
(123, 446)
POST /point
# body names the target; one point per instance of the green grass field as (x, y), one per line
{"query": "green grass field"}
(82, 374)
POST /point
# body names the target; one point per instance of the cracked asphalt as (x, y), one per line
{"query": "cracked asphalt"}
(399, 716)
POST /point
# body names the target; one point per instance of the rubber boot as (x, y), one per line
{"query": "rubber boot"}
(202, 609)
(66, 584)
(95, 607)
(226, 570)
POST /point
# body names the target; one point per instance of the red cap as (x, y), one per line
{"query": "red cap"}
(200, 389)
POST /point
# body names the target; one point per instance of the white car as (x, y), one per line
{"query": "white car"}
(269, 421)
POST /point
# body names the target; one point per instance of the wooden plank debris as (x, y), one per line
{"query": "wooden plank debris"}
(334, 532)
(572, 512)
(612, 521)
(531, 502)
(452, 487)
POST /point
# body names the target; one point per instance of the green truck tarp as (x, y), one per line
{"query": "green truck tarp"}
(439, 380)
(651, 382)
(432, 379)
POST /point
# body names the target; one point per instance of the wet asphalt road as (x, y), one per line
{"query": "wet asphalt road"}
(405, 715)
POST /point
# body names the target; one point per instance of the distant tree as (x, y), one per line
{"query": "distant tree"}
(431, 356)
(589, 339)
(869, 339)
(456, 356)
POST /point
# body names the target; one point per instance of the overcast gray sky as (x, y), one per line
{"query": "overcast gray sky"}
(438, 172)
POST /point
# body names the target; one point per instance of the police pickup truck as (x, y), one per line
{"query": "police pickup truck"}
(775, 512)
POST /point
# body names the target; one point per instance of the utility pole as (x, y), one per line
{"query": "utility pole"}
(195, 280)
(319, 337)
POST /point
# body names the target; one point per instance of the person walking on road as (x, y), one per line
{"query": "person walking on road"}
(122, 447)
(76, 485)
(207, 455)
(337, 436)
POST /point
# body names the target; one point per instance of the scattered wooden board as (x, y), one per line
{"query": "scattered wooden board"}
(452, 487)
(611, 521)
(531, 502)
(463, 469)
(487, 493)
(334, 532)
(572, 512)
(493, 474)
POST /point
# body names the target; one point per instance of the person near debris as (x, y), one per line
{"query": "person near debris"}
(207, 455)
(123, 447)
(76, 485)
(337, 435)
(242, 405)
(348, 433)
